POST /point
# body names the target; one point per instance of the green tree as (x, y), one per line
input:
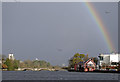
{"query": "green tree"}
(10, 64)
(36, 64)
(78, 57)
(16, 64)
(48, 64)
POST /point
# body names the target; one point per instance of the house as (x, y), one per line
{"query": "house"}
(89, 65)
(108, 60)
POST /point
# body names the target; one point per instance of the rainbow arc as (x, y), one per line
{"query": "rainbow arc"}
(101, 26)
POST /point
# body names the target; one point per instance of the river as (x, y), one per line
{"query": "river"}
(57, 75)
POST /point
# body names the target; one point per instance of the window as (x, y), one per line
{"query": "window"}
(101, 57)
(91, 65)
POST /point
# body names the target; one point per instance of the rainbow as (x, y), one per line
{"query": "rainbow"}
(101, 26)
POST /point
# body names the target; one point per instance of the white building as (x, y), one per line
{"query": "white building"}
(109, 59)
(36, 59)
(11, 56)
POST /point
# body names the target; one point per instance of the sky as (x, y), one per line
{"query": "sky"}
(54, 32)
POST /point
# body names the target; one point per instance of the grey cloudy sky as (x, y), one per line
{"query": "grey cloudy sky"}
(56, 31)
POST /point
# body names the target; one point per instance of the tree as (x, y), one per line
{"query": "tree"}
(36, 64)
(10, 64)
(16, 64)
(48, 64)
(95, 59)
(78, 57)
(22, 65)
(28, 63)
(86, 57)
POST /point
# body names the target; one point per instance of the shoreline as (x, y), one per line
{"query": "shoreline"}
(73, 71)
(96, 71)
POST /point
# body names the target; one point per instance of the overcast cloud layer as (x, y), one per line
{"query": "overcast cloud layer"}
(56, 31)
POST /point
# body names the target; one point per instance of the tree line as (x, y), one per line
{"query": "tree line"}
(11, 65)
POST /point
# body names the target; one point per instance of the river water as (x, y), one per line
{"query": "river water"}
(57, 75)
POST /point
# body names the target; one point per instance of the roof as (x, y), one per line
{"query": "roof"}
(90, 60)
(110, 54)
(82, 62)
(87, 60)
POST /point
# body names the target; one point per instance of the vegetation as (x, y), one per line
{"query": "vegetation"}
(12, 65)
(86, 57)
(35, 64)
(2, 58)
(77, 58)
(80, 58)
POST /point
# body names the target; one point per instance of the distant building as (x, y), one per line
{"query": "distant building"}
(36, 59)
(11, 56)
(109, 59)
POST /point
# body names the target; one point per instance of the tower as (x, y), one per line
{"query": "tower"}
(11, 56)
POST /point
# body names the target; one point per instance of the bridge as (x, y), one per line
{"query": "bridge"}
(35, 69)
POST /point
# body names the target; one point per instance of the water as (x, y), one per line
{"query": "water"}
(57, 75)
